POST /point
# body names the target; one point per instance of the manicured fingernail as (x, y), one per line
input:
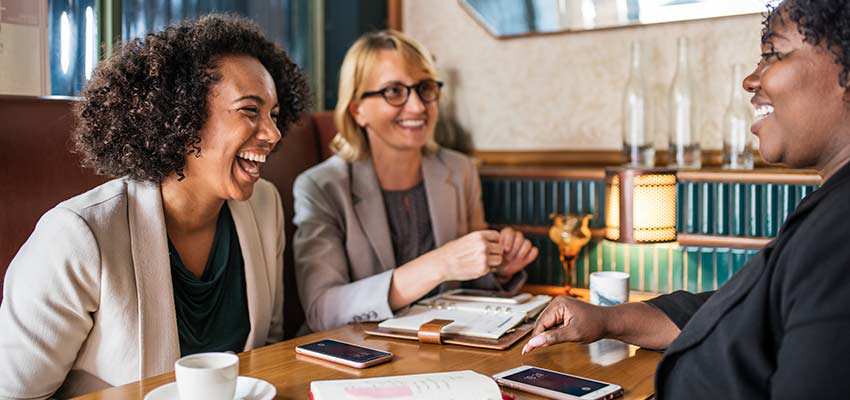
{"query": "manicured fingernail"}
(536, 341)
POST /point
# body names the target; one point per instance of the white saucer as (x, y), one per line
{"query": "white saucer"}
(247, 388)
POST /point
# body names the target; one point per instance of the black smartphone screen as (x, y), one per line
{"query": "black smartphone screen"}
(554, 381)
(344, 350)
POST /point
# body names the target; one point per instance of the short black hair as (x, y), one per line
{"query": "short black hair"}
(821, 22)
(142, 112)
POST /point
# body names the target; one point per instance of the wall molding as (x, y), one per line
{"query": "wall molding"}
(394, 15)
(732, 242)
(542, 172)
(784, 176)
(596, 158)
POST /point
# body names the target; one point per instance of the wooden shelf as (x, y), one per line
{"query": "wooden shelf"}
(710, 158)
(767, 175)
(735, 242)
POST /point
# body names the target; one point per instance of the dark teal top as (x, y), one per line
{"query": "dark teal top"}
(212, 312)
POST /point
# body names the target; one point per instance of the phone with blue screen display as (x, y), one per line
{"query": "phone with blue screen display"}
(344, 353)
(557, 385)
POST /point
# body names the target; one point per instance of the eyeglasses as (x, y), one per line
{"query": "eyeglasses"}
(397, 94)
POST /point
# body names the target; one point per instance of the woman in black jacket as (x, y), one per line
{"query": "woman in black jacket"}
(779, 328)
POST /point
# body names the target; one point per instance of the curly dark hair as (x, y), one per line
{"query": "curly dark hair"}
(821, 22)
(142, 111)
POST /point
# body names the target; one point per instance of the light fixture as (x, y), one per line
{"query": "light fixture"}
(640, 205)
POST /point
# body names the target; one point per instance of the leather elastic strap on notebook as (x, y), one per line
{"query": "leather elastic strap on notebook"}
(429, 332)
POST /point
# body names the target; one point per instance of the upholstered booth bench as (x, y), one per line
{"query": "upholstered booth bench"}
(39, 170)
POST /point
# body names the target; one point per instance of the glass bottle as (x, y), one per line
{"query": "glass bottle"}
(737, 140)
(684, 149)
(638, 147)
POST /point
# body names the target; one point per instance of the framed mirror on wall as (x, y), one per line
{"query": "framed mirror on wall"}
(516, 18)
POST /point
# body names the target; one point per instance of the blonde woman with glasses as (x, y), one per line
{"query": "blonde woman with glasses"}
(392, 217)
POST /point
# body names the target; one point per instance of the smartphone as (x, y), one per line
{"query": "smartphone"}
(556, 385)
(344, 353)
(489, 296)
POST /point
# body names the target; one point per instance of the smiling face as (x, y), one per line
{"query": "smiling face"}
(240, 131)
(800, 106)
(391, 128)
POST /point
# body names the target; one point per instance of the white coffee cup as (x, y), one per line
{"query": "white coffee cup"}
(207, 376)
(609, 288)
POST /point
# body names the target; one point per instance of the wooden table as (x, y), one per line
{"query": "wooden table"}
(628, 366)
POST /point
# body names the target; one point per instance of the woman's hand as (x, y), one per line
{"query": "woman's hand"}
(569, 320)
(470, 256)
(518, 252)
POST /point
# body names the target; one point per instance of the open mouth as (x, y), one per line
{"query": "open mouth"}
(411, 123)
(762, 112)
(251, 163)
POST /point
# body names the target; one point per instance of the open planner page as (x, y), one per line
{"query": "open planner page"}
(530, 308)
(487, 325)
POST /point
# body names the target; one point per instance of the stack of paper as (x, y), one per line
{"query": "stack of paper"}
(456, 385)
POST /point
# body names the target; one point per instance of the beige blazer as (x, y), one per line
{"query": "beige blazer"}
(344, 256)
(88, 303)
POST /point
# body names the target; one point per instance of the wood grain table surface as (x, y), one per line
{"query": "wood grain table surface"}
(609, 361)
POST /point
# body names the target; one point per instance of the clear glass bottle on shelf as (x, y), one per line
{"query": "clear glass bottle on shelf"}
(684, 150)
(638, 146)
(737, 139)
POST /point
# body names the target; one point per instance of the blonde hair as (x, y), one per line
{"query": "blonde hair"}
(350, 142)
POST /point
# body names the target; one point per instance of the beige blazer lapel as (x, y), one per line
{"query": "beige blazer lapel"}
(442, 199)
(369, 206)
(257, 283)
(159, 345)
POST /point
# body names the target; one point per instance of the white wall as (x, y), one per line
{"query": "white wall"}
(23, 47)
(564, 91)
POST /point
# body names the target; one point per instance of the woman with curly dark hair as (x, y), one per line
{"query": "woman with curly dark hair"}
(778, 328)
(182, 252)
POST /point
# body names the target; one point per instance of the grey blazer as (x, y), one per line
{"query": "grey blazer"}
(344, 257)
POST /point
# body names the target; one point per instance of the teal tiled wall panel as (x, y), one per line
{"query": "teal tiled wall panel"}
(708, 208)
(736, 209)
(708, 268)
(662, 268)
(530, 201)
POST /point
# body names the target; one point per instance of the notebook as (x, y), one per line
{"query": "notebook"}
(455, 385)
(471, 319)
(530, 307)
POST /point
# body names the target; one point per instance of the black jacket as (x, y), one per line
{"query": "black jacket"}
(780, 328)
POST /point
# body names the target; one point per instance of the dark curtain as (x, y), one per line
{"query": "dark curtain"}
(68, 77)
(286, 22)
